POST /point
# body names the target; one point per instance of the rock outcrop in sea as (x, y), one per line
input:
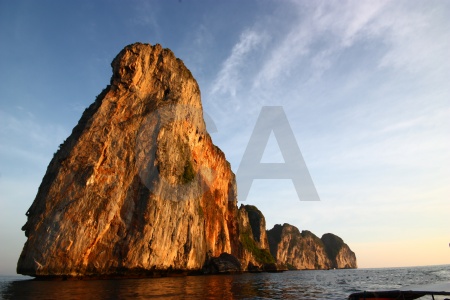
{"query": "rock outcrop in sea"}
(139, 189)
(304, 250)
(138, 186)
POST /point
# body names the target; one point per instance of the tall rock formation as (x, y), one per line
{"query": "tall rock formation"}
(255, 254)
(138, 187)
(304, 250)
(340, 254)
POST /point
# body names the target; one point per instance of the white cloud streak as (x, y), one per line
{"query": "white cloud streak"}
(417, 39)
(228, 79)
(334, 26)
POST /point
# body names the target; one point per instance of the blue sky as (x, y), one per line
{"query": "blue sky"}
(364, 85)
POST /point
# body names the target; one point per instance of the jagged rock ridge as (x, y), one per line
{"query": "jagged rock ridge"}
(304, 250)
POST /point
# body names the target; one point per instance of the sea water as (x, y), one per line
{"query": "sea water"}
(331, 284)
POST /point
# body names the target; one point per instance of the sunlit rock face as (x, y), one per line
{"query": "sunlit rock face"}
(138, 186)
(304, 250)
(298, 250)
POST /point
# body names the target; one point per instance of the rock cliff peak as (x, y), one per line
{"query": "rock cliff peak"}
(138, 187)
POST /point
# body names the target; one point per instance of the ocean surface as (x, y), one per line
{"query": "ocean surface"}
(332, 284)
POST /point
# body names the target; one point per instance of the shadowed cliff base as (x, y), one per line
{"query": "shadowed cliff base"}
(139, 190)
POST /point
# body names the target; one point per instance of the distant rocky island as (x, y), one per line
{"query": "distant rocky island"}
(139, 189)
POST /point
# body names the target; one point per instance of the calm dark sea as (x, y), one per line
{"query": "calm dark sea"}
(333, 284)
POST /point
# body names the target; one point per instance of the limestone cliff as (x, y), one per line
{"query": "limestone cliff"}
(138, 187)
(340, 254)
(304, 250)
(297, 250)
(255, 254)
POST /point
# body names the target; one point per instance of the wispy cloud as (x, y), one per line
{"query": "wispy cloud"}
(229, 78)
(319, 32)
(413, 37)
(416, 36)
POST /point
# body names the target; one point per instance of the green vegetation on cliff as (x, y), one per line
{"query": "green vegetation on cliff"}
(261, 255)
(188, 173)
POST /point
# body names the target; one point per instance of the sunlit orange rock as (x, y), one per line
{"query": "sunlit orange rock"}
(138, 187)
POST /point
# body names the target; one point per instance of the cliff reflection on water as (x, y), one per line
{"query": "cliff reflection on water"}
(333, 284)
(263, 285)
